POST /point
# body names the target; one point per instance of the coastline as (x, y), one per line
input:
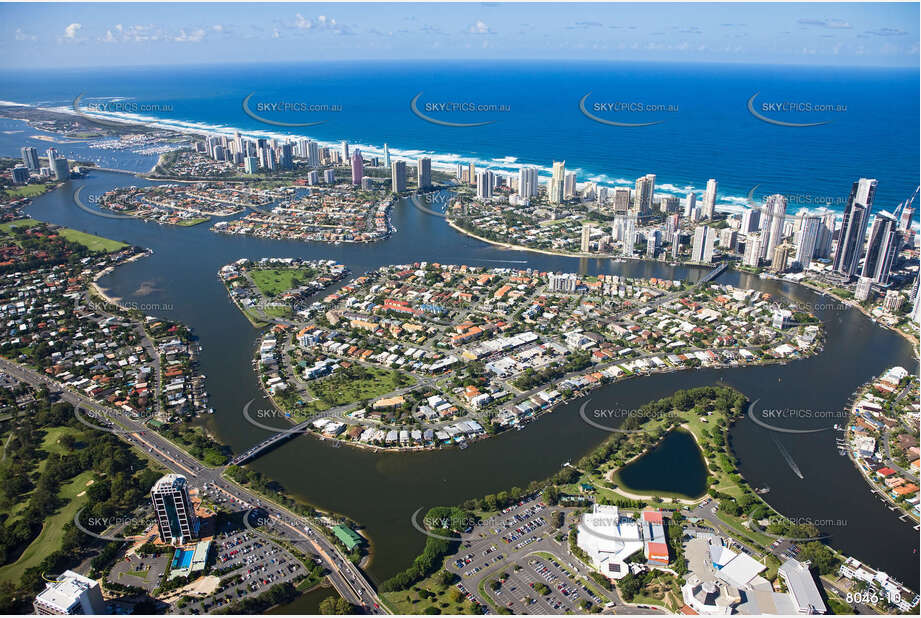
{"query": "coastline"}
(447, 163)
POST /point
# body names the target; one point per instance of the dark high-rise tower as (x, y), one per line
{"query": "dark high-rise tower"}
(854, 227)
(882, 247)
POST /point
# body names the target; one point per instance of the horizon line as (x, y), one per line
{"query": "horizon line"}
(535, 59)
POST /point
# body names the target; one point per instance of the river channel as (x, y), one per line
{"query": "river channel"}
(381, 491)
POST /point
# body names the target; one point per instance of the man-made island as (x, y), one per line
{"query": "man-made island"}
(425, 355)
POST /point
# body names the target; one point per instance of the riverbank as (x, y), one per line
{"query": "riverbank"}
(519, 426)
(598, 256)
(101, 293)
(869, 443)
(195, 256)
(914, 341)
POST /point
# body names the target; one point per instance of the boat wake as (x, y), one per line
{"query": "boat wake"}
(789, 458)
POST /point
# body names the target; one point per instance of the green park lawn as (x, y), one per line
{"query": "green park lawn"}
(6, 227)
(343, 387)
(26, 191)
(273, 281)
(192, 222)
(90, 241)
(49, 445)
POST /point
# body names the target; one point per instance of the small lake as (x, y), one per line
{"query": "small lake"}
(674, 466)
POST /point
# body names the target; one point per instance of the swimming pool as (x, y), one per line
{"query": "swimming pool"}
(182, 559)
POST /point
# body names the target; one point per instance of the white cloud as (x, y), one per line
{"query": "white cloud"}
(835, 24)
(479, 27)
(70, 32)
(194, 36)
(24, 36)
(321, 23)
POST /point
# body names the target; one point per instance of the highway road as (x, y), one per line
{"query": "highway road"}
(348, 580)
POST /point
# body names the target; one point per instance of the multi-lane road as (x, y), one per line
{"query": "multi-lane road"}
(350, 582)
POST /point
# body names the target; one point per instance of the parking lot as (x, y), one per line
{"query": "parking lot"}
(523, 536)
(251, 564)
(513, 538)
(141, 571)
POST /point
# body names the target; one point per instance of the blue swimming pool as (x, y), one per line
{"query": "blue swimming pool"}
(182, 559)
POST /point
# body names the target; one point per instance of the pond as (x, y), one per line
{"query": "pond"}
(675, 466)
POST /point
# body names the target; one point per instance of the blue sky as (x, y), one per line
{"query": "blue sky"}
(78, 35)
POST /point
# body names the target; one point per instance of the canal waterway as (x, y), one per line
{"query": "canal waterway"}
(382, 490)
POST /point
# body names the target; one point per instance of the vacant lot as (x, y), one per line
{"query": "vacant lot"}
(358, 383)
(274, 281)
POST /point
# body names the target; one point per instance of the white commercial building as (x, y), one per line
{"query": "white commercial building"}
(609, 539)
(70, 594)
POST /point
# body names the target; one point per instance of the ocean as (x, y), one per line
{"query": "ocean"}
(704, 127)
